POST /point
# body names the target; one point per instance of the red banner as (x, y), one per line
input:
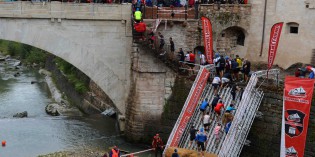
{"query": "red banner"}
(207, 39)
(191, 106)
(273, 43)
(297, 100)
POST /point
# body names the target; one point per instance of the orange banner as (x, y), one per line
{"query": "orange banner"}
(192, 103)
(207, 39)
(297, 100)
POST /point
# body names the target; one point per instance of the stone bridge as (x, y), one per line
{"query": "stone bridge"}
(95, 38)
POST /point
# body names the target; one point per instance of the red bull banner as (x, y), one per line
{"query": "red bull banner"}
(297, 100)
(207, 39)
(191, 106)
(273, 43)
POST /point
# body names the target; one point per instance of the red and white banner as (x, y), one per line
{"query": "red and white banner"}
(191, 106)
(297, 100)
(207, 39)
(273, 43)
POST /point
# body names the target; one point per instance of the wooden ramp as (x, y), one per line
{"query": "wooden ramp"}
(186, 153)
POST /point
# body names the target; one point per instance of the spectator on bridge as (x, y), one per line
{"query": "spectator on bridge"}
(216, 83)
(204, 105)
(138, 16)
(114, 152)
(157, 144)
(218, 108)
(191, 58)
(201, 139)
(217, 133)
(216, 63)
(206, 121)
(192, 136)
(215, 101)
(181, 56)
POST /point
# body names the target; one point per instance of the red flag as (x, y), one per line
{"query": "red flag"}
(273, 44)
(207, 39)
(297, 100)
(191, 106)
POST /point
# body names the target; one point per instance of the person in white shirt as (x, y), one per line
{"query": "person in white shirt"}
(216, 83)
(206, 121)
(202, 59)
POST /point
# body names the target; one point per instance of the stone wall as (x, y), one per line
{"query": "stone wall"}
(185, 35)
(224, 20)
(92, 102)
(265, 133)
(151, 87)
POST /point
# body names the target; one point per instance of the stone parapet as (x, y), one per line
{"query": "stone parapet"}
(59, 10)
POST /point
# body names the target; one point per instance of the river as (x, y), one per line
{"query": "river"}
(40, 133)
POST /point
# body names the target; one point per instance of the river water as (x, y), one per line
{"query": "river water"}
(41, 133)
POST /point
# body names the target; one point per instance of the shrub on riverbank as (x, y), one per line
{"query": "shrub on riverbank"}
(27, 53)
(73, 75)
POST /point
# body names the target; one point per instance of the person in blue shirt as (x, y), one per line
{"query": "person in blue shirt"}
(311, 76)
(201, 139)
(227, 127)
(204, 105)
(230, 108)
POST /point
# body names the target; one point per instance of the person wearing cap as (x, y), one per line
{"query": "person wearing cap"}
(175, 154)
(114, 152)
(201, 139)
(157, 144)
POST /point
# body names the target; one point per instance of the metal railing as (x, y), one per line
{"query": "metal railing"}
(244, 116)
(230, 144)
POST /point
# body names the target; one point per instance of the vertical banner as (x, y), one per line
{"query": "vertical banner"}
(297, 100)
(207, 39)
(273, 43)
(191, 106)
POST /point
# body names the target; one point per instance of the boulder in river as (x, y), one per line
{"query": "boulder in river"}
(21, 115)
(109, 112)
(52, 109)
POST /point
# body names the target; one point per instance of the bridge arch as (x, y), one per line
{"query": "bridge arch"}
(100, 48)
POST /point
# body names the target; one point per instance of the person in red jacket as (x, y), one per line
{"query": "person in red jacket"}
(140, 28)
(114, 152)
(157, 144)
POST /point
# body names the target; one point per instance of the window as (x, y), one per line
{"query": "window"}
(292, 28)
(240, 39)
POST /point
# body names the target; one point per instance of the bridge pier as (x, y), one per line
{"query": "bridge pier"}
(150, 88)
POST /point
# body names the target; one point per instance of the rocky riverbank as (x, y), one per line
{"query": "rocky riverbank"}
(79, 153)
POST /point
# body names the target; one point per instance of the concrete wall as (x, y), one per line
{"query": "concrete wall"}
(85, 35)
(292, 48)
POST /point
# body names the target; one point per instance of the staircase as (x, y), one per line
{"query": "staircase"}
(231, 144)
